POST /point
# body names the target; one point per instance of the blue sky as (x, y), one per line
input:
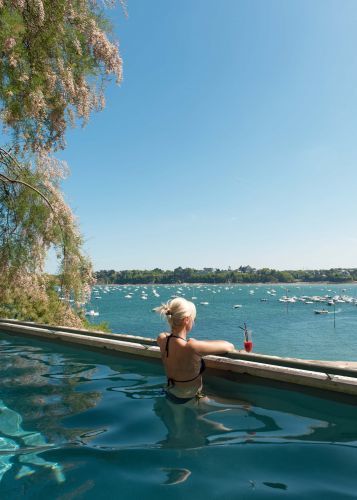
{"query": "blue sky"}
(231, 141)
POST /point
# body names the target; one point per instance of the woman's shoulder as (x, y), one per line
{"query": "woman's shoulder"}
(162, 336)
(193, 344)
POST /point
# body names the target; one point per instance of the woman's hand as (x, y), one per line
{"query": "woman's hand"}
(230, 347)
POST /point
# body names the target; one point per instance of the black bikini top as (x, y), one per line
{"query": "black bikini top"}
(171, 381)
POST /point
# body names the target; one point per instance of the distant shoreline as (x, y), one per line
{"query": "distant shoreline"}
(244, 275)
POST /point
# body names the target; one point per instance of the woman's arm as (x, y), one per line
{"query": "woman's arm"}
(204, 347)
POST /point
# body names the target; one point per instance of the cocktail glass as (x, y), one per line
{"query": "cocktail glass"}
(248, 345)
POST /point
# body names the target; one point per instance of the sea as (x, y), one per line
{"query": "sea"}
(280, 318)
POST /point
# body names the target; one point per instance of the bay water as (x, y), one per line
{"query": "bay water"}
(278, 328)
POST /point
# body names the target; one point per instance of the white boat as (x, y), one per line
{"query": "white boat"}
(204, 303)
(320, 311)
(288, 299)
(237, 306)
(92, 312)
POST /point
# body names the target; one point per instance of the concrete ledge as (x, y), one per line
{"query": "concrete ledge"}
(348, 368)
(308, 378)
(329, 376)
(93, 333)
(126, 346)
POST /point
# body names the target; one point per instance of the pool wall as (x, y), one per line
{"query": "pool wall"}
(335, 376)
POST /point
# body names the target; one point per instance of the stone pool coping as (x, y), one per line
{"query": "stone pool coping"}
(336, 376)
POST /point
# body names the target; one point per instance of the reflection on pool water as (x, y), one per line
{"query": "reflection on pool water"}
(85, 425)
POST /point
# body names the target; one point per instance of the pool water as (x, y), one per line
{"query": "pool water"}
(80, 424)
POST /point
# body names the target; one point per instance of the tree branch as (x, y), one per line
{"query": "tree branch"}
(4, 178)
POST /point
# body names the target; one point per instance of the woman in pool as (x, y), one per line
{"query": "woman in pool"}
(182, 357)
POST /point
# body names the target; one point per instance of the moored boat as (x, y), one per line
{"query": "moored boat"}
(92, 312)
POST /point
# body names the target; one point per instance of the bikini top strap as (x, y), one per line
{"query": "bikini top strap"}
(167, 345)
(167, 342)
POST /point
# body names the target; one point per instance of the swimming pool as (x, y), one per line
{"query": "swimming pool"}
(80, 424)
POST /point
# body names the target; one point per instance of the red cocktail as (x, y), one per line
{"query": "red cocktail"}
(248, 345)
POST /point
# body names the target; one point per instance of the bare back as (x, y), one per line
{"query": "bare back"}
(181, 361)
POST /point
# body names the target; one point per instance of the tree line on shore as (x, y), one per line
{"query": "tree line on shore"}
(244, 274)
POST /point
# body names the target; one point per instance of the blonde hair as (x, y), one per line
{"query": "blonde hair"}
(176, 310)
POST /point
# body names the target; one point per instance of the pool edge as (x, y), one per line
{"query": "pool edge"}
(326, 375)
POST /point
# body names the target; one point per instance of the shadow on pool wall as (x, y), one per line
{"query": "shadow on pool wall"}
(23, 444)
